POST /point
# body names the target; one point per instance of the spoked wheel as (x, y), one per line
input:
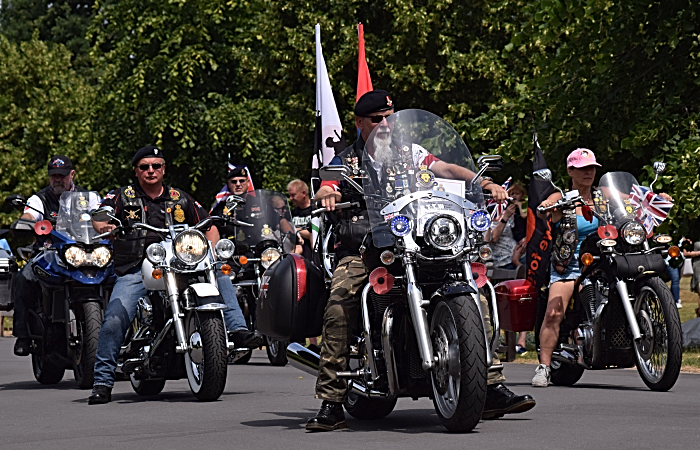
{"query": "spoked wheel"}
(659, 352)
(276, 352)
(147, 387)
(459, 378)
(206, 359)
(88, 324)
(46, 370)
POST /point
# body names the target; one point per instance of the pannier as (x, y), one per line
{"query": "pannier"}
(517, 305)
(7, 267)
(292, 299)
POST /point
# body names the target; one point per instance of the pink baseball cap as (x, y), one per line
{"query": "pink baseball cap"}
(581, 157)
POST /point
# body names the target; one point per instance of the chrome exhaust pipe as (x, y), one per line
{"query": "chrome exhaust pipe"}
(303, 359)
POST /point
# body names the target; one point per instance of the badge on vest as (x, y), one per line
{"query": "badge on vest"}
(129, 192)
(132, 212)
(179, 213)
(175, 196)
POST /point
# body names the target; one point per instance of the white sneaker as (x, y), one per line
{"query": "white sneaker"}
(541, 378)
(679, 305)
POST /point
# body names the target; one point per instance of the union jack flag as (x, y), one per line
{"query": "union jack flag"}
(651, 208)
(499, 207)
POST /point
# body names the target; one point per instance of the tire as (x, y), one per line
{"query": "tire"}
(457, 333)
(659, 354)
(363, 408)
(244, 359)
(206, 367)
(565, 374)
(47, 371)
(89, 324)
(147, 387)
(276, 352)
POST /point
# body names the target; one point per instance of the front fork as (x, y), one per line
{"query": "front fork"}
(178, 318)
(419, 315)
(629, 311)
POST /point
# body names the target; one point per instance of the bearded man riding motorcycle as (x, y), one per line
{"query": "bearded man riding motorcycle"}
(351, 275)
(43, 205)
(152, 202)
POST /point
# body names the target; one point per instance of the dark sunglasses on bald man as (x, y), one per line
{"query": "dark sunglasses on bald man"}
(145, 167)
(377, 119)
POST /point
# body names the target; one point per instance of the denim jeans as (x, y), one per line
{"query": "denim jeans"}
(26, 295)
(675, 282)
(121, 310)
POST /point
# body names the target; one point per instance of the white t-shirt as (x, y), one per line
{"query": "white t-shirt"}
(35, 202)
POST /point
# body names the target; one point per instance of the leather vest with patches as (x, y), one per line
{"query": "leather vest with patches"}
(51, 202)
(354, 222)
(129, 249)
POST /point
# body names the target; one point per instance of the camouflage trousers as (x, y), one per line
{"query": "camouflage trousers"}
(340, 316)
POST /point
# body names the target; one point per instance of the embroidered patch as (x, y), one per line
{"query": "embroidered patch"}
(179, 214)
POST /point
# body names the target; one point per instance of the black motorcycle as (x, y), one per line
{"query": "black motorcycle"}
(622, 314)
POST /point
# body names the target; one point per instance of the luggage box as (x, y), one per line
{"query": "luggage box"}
(292, 300)
(517, 305)
(7, 267)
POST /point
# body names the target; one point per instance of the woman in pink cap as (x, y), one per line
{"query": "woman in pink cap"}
(570, 229)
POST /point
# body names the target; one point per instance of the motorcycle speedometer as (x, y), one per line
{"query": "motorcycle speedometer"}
(101, 256)
(190, 247)
(633, 233)
(224, 249)
(155, 253)
(480, 221)
(443, 232)
(400, 226)
(269, 256)
(75, 256)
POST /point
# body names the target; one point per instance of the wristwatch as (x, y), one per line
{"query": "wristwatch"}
(504, 221)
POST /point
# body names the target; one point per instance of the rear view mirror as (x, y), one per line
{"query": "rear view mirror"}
(103, 214)
(334, 173)
(233, 200)
(659, 168)
(543, 174)
(17, 201)
(490, 163)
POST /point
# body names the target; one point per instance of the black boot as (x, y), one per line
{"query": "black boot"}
(500, 401)
(100, 395)
(22, 346)
(245, 339)
(330, 417)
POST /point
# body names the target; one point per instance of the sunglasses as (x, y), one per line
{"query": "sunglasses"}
(377, 119)
(238, 181)
(145, 167)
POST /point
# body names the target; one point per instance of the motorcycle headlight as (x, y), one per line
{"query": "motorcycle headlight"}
(101, 256)
(155, 253)
(224, 249)
(480, 221)
(190, 247)
(75, 256)
(485, 252)
(443, 232)
(633, 233)
(269, 256)
(400, 226)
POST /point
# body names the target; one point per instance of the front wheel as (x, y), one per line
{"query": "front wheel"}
(659, 353)
(459, 378)
(206, 359)
(276, 352)
(88, 324)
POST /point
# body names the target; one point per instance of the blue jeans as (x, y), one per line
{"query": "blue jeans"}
(675, 282)
(121, 310)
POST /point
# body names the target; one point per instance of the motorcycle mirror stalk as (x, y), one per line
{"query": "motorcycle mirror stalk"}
(488, 163)
(546, 175)
(338, 173)
(105, 214)
(659, 168)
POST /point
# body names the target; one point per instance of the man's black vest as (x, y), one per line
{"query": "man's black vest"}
(129, 249)
(51, 202)
(354, 222)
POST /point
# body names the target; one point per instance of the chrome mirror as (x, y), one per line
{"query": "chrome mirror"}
(546, 175)
(103, 214)
(659, 168)
(234, 200)
(334, 173)
(491, 163)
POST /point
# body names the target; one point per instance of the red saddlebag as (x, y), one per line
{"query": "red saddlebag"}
(292, 299)
(517, 305)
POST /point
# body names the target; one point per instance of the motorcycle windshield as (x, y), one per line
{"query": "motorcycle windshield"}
(417, 151)
(268, 212)
(616, 188)
(74, 218)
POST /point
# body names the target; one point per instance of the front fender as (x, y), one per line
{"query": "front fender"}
(455, 289)
(206, 294)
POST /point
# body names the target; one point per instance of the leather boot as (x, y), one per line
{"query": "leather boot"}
(100, 395)
(245, 338)
(22, 346)
(330, 417)
(501, 401)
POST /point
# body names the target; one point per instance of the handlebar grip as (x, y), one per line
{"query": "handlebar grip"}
(541, 210)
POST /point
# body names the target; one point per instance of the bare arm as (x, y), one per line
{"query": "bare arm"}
(500, 226)
(212, 235)
(556, 214)
(27, 216)
(328, 197)
(455, 172)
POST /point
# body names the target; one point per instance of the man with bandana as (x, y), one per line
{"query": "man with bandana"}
(351, 275)
(149, 201)
(43, 205)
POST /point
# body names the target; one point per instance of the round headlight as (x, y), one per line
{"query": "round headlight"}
(269, 256)
(400, 226)
(190, 247)
(75, 256)
(480, 221)
(633, 233)
(101, 256)
(155, 253)
(443, 232)
(224, 249)
(485, 252)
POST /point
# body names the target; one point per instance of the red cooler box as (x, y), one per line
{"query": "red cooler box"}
(517, 305)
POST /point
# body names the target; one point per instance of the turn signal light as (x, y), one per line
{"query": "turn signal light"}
(243, 260)
(674, 252)
(157, 274)
(587, 259)
(225, 269)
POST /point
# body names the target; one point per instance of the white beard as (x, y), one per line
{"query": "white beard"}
(382, 151)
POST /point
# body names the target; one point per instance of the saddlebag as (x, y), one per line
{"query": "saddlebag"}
(517, 305)
(7, 267)
(629, 266)
(292, 299)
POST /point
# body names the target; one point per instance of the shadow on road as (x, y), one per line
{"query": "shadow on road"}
(609, 387)
(167, 397)
(35, 385)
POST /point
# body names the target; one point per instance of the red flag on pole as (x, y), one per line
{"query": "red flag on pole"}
(364, 81)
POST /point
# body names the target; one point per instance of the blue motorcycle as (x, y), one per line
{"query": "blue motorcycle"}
(73, 266)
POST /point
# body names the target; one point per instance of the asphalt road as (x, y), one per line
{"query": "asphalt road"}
(265, 407)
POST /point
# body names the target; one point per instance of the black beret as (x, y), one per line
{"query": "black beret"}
(237, 171)
(149, 151)
(374, 101)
